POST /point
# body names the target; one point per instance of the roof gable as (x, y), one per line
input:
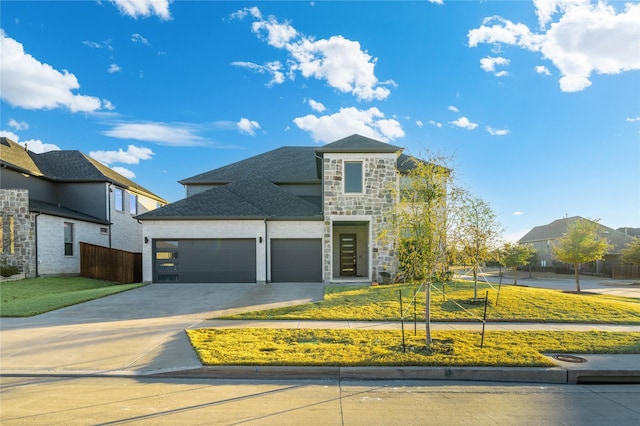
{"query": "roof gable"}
(14, 154)
(358, 144)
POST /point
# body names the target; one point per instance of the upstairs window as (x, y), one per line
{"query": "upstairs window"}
(119, 199)
(133, 204)
(353, 177)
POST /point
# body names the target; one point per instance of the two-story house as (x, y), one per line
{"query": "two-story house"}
(294, 214)
(53, 201)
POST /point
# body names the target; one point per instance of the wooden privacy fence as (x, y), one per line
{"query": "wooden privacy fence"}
(622, 272)
(109, 264)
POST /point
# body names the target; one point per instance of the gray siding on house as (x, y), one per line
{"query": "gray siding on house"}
(88, 198)
(39, 189)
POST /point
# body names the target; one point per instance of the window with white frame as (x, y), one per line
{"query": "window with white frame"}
(119, 199)
(353, 177)
(68, 239)
(133, 204)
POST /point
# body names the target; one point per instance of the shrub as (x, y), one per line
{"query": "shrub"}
(9, 270)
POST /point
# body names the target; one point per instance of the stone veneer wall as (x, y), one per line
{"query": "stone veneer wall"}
(14, 203)
(380, 178)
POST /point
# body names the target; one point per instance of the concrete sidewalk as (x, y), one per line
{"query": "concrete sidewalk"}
(141, 333)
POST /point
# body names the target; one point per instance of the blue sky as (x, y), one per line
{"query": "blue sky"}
(538, 102)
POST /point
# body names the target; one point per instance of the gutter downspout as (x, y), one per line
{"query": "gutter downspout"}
(109, 210)
(36, 242)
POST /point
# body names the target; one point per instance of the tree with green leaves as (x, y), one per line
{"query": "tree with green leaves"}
(428, 198)
(478, 234)
(631, 253)
(516, 255)
(582, 243)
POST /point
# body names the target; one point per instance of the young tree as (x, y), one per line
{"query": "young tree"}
(515, 255)
(631, 253)
(478, 234)
(427, 200)
(580, 244)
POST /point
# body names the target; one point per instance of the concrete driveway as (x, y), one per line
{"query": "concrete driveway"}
(136, 332)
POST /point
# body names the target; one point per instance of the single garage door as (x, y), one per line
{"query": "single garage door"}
(205, 261)
(296, 260)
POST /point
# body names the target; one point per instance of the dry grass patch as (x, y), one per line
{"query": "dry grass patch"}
(453, 304)
(303, 347)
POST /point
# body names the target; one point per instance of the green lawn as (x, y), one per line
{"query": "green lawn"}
(34, 296)
(515, 304)
(351, 347)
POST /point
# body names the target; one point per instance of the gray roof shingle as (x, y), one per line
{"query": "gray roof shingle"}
(289, 164)
(252, 198)
(357, 143)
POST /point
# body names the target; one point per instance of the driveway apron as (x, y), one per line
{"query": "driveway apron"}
(136, 332)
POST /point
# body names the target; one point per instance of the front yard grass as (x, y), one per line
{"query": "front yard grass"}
(349, 347)
(35, 296)
(515, 304)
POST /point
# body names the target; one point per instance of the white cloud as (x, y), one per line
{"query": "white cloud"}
(18, 125)
(27, 83)
(584, 38)
(370, 123)
(497, 132)
(272, 68)
(247, 126)
(316, 106)
(132, 155)
(541, 69)
(340, 62)
(435, 123)
(419, 123)
(160, 133)
(124, 172)
(464, 123)
(518, 213)
(452, 108)
(96, 45)
(489, 65)
(144, 8)
(436, 1)
(34, 145)
(631, 120)
(137, 38)
(114, 68)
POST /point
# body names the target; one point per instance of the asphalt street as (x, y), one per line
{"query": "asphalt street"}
(148, 401)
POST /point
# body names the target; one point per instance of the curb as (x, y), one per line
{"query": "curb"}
(494, 374)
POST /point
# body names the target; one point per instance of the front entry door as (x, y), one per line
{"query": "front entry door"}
(348, 255)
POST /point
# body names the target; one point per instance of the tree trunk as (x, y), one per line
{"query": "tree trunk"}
(575, 267)
(475, 282)
(515, 276)
(427, 295)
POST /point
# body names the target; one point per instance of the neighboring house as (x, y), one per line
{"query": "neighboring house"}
(543, 237)
(51, 202)
(294, 214)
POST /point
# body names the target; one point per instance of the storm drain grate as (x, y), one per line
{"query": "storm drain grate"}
(569, 358)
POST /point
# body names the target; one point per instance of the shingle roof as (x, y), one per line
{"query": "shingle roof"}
(12, 154)
(65, 166)
(558, 228)
(38, 206)
(252, 198)
(357, 144)
(289, 164)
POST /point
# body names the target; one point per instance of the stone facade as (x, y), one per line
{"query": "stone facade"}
(372, 206)
(18, 231)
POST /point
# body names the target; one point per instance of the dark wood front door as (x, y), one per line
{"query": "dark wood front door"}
(348, 255)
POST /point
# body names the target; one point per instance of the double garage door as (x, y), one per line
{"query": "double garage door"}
(234, 260)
